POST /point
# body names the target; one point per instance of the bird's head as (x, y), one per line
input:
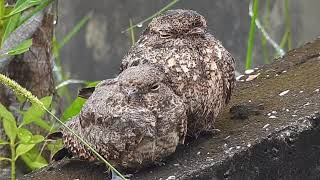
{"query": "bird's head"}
(139, 80)
(178, 22)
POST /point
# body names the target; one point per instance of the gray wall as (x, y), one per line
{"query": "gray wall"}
(96, 51)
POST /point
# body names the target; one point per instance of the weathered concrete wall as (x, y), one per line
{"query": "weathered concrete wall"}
(270, 130)
(96, 51)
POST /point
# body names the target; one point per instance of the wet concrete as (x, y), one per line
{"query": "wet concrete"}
(270, 133)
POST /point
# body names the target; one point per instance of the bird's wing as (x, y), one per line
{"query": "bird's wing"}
(226, 62)
(230, 75)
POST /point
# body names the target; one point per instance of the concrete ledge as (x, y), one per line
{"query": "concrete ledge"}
(272, 131)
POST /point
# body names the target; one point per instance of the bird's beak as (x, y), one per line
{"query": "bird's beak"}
(196, 30)
(132, 94)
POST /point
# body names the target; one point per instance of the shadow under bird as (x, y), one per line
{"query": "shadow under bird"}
(132, 120)
(199, 69)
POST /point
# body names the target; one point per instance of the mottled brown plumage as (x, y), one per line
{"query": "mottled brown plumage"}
(131, 120)
(198, 67)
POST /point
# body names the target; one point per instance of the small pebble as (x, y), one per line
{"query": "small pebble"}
(239, 77)
(249, 71)
(272, 117)
(284, 93)
(252, 77)
(171, 178)
(265, 126)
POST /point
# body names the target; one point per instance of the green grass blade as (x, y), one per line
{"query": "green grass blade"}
(154, 15)
(40, 7)
(68, 82)
(21, 48)
(132, 33)
(2, 12)
(284, 39)
(266, 24)
(251, 34)
(11, 24)
(288, 24)
(74, 31)
(23, 6)
(10, 27)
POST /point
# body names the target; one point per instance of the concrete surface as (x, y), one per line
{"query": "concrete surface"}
(272, 131)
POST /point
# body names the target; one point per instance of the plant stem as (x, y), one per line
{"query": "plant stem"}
(13, 160)
(251, 34)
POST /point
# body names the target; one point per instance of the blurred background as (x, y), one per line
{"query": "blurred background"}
(96, 50)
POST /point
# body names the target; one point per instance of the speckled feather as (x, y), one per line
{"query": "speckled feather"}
(198, 67)
(132, 120)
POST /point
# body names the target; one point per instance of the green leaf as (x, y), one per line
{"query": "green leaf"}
(10, 26)
(24, 135)
(10, 128)
(21, 48)
(11, 23)
(73, 109)
(33, 159)
(9, 123)
(23, 6)
(36, 139)
(55, 146)
(92, 83)
(42, 123)
(40, 7)
(3, 142)
(34, 113)
(5, 114)
(38, 165)
(23, 148)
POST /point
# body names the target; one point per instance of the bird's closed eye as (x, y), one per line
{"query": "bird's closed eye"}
(165, 35)
(197, 24)
(155, 87)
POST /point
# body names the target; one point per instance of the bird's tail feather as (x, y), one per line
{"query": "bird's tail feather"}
(55, 136)
(64, 152)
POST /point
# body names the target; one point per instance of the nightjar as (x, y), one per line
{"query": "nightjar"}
(132, 120)
(199, 69)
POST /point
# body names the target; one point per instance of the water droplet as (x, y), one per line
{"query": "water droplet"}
(55, 22)
(139, 25)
